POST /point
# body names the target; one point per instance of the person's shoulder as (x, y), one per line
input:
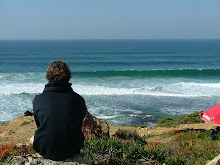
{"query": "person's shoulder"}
(37, 97)
(78, 95)
(34, 99)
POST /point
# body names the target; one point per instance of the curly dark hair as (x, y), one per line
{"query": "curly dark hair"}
(58, 71)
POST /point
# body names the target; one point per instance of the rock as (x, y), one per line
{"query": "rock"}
(90, 120)
(32, 140)
(38, 161)
(30, 159)
(215, 161)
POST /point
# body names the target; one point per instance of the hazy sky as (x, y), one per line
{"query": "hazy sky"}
(112, 19)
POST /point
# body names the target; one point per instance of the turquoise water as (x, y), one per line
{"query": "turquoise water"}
(126, 82)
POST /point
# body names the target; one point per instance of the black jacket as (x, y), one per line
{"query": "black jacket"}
(58, 113)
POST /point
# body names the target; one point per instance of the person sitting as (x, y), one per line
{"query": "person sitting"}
(58, 113)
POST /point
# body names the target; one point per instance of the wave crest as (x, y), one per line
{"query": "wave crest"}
(151, 73)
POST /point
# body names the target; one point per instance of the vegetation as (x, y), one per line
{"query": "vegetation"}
(10, 150)
(194, 147)
(187, 148)
(124, 148)
(129, 135)
(190, 147)
(188, 119)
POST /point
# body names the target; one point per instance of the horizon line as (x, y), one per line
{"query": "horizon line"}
(106, 39)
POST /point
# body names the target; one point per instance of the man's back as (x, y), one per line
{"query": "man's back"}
(58, 113)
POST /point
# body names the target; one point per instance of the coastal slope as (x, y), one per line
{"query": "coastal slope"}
(21, 129)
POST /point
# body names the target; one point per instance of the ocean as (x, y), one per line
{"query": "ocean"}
(126, 82)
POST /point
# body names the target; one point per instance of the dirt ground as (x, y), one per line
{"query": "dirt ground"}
(21, 129)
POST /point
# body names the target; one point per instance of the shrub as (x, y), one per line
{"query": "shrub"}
(14, 150)
(120, 151)
(129, 135)
(141, 126)
(194, 147)
(190, 147)
(125, 148)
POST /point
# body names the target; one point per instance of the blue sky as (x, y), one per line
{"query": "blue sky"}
(113, 19)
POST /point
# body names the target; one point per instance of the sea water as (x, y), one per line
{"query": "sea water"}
(126, 82)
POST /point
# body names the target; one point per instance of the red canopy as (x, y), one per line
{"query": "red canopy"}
(212, 113)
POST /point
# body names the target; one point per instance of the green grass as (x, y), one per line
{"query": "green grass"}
(188, 119)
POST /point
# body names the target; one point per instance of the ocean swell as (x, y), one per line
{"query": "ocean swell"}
(151, 73)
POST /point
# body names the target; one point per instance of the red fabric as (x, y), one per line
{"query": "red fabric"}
(211, 113)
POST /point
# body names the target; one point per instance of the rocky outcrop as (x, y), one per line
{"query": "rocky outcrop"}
(96, 123)
(33, 160)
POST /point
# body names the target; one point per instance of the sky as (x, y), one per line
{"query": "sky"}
(112, 19)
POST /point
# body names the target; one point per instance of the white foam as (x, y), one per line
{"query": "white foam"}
(106, 117)
(131, 111)
(178, 111)
(176, 90)
(19, 88)
(133, 115)
(148, 116)
(192, 89)
(17, 83)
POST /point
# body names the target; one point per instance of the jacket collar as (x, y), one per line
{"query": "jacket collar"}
(58, 86)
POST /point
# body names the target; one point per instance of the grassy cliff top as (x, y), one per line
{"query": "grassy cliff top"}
(193, 118)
